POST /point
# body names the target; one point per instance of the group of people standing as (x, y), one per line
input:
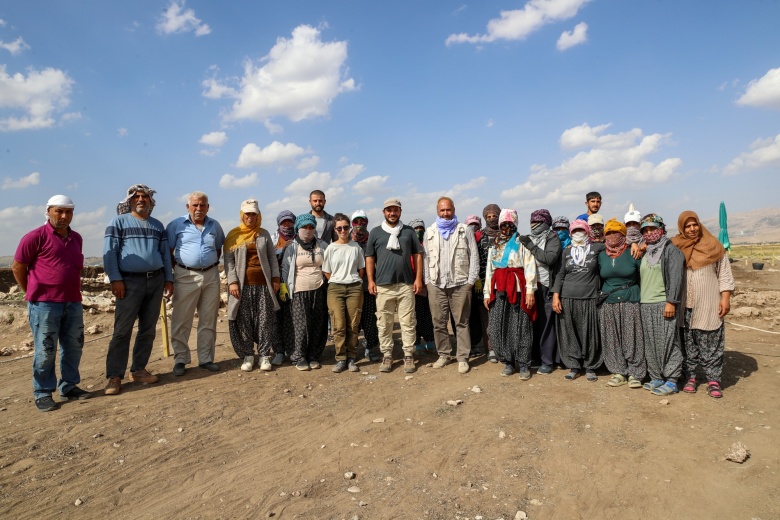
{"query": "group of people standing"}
(578, 294)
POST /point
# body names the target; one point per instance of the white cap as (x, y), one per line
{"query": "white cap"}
(250, 206)
(359, 214)
(632, 215)
(595, 219)
(60, 201)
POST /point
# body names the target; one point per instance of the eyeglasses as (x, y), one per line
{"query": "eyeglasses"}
(342, 228)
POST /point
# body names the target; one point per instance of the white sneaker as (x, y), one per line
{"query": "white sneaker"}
(249, 362)
(463, 367)
(265, 364)
(442, 362)
(278, 359)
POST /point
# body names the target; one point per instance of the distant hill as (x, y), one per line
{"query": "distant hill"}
(748, 227)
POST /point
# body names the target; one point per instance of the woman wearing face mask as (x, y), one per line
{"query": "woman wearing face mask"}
(253, 280)
(302, 274)
(620, 323)
(707, 299)
(561, 227)
(545, 245)
(486, 239)
(634, 239)
(344, 265)
(510, 283)
(422, 309)
(368, 314)
(662, 275)
(475, 319)
(574, 300)
(284, 234)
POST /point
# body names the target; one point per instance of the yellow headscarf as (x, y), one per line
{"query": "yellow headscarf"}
(242, 234)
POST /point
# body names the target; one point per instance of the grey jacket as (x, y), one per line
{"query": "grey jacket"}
(235, 268)
(288, 264)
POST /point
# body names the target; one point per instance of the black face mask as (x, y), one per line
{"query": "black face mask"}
(420, 234)
(492, 223)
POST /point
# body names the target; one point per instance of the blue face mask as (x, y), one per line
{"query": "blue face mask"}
(563, 234)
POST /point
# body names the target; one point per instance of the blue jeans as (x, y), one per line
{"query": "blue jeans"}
(142, 300)
(52, 323)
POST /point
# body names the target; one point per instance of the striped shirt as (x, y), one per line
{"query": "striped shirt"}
(703, 289)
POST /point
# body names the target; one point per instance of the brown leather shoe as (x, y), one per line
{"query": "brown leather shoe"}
(114, 386)
(143, 376)
(409, 367)
(387, 364)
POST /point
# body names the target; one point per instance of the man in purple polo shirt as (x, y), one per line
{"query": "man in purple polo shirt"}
(47, 266)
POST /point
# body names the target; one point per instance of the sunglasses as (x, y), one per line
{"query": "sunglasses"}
(342, 228)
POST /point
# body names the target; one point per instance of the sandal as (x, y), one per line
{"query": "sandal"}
(713, 390)
(666, 389)
(690, 386)
(617, 380)
(634, 382)
(572, 375)
(652, 385)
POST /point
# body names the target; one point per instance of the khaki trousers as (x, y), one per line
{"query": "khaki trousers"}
(392, 298)
(455, 300)
(195, 290)
(345, 305)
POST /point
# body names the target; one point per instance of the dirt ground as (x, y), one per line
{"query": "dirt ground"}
(277, 445)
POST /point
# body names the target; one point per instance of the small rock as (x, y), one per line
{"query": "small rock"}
(738, 428)
(181, 430)
(738, 453)
(520, 515)
(434, 475)
(269, 514)
(379, 420)
(408, 377)
(94, 329)
(353, 489)
(282, 494)
(535, 502)
(455, 402)
(322, 447)
(162, 441)
(476, 389)
(349, 475)
(502, 435)
(362, 504)
(3, 409)
(354, 444)
(286, 390)
(664, 402)
(364, 373)
(78, 502)
(97, 435)
(116, 445)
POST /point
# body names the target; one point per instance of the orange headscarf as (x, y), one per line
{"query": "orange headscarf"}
(700, 251)
(242, 234)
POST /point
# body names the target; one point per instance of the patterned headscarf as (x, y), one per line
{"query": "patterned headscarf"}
(284, 235)
(124, 205)
(560, 222)
(542, 215)
(656, 240)
(359, 233)
(415, 223)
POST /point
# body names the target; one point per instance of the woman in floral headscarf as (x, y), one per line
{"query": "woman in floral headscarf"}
(253, 280)
(510, 283)
(574, 300)
(620, 324)
(284, 234)
(707, 299)
(662, 275)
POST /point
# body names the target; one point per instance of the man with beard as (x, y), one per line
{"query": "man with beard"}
(593, 205)
(391, 249)
(137, 261)
(324, 219)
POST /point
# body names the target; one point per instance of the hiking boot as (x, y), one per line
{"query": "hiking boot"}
(265, 364)
(508, 369)
(114, 386)
(387, 364)
(442, 362)
(340, 366)
(45, 404)
(302, 365)
(278, 359)
(248, 364)
(179, 369)
(75, 394)
(352, 366)
(409, 367)
(523, 372)
(463, 367)
(143, 376)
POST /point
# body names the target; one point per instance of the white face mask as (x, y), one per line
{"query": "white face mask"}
(579, 237)
(306, 234)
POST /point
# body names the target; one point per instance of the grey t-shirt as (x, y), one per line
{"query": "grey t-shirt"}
(579, 283)
(393, 265)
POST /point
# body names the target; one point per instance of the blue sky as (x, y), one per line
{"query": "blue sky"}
(669, 105)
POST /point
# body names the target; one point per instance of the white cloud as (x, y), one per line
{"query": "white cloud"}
(228, 181)
(308, 163)
(763, 92)
(519, 23)
(605, 158)
(370, 185)
(569, 39)
(208, 153)
(39, 95)
(175, 19)
(121, 132)
(490, 123)
(350, 171)
(14, 47)
(275, 153)
(2, 22)
(22, 182)
(764, 153)
(299, 78)
(214, 139)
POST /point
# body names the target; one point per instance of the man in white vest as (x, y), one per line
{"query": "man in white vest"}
(451, 267)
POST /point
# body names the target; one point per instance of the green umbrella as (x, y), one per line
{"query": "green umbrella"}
(723, 236)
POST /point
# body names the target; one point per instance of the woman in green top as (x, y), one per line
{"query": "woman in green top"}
(620, 323)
